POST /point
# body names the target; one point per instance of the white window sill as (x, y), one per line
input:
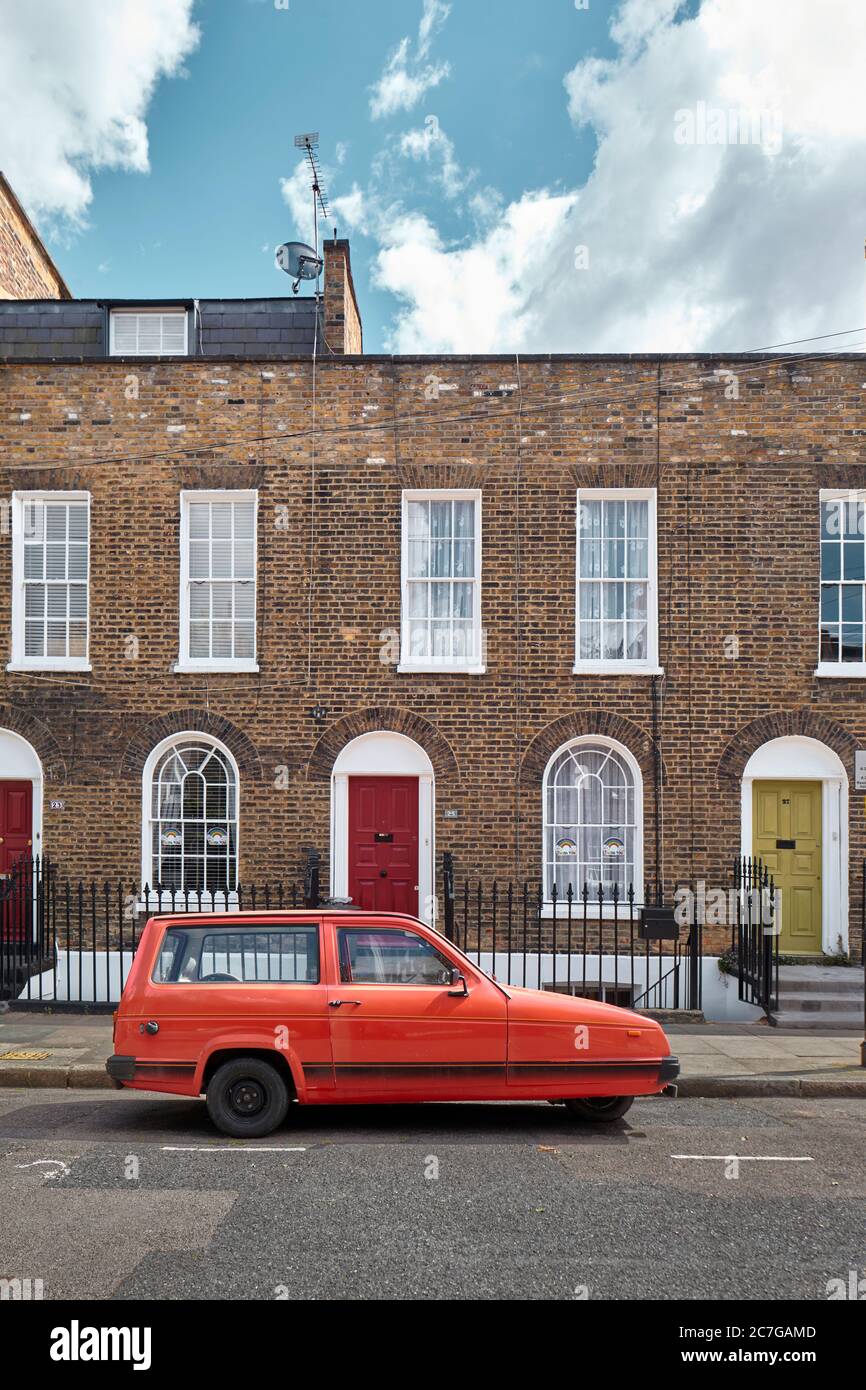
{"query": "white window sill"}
(593, 912)
(214, 667)
(441, 670)
(616, 668)
(71, 663)
(203, 902)
(849, 670)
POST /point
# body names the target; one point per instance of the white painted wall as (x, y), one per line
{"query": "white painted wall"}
(81, 976)
(720, 1001)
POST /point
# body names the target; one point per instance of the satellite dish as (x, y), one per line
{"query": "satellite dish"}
(300, 261)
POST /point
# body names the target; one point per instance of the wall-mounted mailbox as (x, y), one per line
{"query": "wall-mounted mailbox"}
(658, 924)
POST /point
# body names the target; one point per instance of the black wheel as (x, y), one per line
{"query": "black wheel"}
(247, 1098)
(599, 1109)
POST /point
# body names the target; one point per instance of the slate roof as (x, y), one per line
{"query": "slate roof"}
(50, 329)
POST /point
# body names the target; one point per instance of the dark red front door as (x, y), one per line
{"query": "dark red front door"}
(383, 843)
(16, 822)
(16, 829)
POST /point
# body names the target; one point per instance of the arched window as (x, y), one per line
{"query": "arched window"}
(592, 819)
(191, 816)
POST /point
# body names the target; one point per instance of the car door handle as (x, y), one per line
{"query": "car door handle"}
(337, 1003)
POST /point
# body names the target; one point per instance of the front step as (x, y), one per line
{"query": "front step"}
(818, 1023)
(819, 997)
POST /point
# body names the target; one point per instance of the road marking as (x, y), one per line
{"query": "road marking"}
(228, 1149)
(746, 1158)
(62, 1169)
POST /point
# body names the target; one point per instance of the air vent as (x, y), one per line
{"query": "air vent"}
(148, 333)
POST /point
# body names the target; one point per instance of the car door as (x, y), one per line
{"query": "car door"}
(401, 1027)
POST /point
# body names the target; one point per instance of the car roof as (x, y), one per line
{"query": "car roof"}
(281, 914)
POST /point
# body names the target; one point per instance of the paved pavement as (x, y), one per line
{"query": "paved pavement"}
(126, 1196)
(69, 1050)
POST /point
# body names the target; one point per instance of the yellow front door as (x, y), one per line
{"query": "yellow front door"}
(786, 835)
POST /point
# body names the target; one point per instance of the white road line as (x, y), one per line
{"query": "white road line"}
(746, 1158)
(62, 1169)
(227, 1149)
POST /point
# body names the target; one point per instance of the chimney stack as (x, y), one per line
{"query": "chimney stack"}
(342, 319)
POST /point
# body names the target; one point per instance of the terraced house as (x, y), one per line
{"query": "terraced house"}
(569, 619)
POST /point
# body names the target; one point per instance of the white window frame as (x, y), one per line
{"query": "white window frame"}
(18, 661)
(186, 663)
(837, 670)
(608, 910)
(163, 902)
(606, 667)
(114, 314)
(406, 665)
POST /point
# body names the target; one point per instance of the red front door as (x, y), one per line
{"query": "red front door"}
(383, 843)
(16, 830)
(16, 823)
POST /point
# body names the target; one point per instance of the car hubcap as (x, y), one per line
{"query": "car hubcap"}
(247, 1097)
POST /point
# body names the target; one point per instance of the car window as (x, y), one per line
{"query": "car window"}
(386, 956)
(253, 955)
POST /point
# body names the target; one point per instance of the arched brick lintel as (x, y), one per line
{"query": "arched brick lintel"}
(579, 724)
(784, 724)
(40, 737)
(384, 719)
(145, 739)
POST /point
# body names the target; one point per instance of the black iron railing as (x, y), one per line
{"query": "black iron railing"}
(70, 944)
(756, 940)
(598, 942)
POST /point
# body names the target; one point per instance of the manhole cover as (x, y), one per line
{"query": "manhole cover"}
(24, 1056)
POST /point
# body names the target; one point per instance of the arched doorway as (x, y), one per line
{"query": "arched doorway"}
(20, 800)
(795, 818)
(382, 840)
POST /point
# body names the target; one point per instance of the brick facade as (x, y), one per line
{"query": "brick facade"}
(26, 269)
(738, 484)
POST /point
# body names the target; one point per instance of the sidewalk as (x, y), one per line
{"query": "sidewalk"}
(717, 1059)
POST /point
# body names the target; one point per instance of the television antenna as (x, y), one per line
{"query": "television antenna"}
(309, 143)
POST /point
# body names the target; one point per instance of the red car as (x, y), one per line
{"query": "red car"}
(336, 1007)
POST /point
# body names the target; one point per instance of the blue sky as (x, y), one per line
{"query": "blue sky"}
(510, 176)
(221, 138)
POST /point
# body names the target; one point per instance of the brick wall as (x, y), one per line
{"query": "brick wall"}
(26, 269)
(738, 485)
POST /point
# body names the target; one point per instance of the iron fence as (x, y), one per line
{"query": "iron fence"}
(756, 941)
(69, 944)
(600, 941)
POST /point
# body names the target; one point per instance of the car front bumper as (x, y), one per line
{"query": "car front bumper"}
(669, 1069)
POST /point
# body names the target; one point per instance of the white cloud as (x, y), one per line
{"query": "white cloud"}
(408, 74)
(430, 144)
(477, 292)
(76, 79)
(689, 246)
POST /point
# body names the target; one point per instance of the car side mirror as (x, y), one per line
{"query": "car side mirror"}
(458, 978)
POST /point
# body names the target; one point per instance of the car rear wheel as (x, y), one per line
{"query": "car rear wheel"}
(599, 1109)
(247, 1098)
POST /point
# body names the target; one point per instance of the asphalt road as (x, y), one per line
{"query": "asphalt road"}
(122, 1196)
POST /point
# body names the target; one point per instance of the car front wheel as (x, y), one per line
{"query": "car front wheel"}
(247, 1098)
(599, 1109)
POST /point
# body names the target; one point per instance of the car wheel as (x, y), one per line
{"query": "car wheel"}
(247, 1098)
(599, 1109)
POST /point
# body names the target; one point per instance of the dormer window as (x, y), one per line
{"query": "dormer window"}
(148, 333)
